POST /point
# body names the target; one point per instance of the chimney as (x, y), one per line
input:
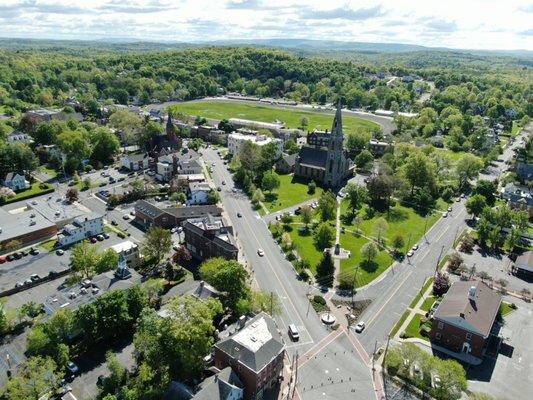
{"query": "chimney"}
(472, 293)
(242, 321)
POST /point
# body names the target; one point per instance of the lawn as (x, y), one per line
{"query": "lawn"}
(505, 308)
(399, 323)
(34, 191)
(425, 287)
(426, 305)
(219, 109)
(288, 194)
(516, 128)
(402, 221)
(306, 248)
(454, 155)
(49, 245)
(365, 273)
(413, 328)
(47, 170)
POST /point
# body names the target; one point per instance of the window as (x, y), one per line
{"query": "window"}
(440, 325)
(438, 336)
(468, 336)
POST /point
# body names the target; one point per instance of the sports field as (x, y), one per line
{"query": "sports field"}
(219, 109)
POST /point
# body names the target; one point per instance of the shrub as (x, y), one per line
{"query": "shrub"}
(304, 276)
(424, 331)
(319, 300)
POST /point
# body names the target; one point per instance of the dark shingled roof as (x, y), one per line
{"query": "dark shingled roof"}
(525, 261)
(473, 316)
(148, 208)
(313, 157)
(193, 211)
(255, 345)
(219, 386)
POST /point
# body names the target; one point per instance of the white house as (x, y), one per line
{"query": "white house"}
(198, 192)
(81, 228)
(129, 251)
(235, 141)
(15, 181)
(134, 162)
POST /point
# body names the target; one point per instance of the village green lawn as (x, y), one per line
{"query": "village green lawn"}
(401, 220)
(219, 109)
(288, 194)
(365, 274)
(306, 248)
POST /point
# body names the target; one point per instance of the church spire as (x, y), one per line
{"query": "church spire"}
(170, 127)
(337, 121)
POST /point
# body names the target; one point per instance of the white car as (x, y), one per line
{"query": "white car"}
(126, 217)
(410, 253)
(444, 214)
(450, 209)
(360, 327)
(260, 252)
(415, 247)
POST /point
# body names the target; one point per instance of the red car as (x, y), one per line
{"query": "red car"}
(2, 259)
(93, 240)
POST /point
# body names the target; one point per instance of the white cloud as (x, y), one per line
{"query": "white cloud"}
(480, 24)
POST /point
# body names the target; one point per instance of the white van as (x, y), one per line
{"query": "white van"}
(293, 333)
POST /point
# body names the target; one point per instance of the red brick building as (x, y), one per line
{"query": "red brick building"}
(256, 353)
(463, 320)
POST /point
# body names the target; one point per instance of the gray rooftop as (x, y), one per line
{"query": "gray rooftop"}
(255, 345)
(525, 261)
(56, 209)
(313, 157)
(476, 316)
(15, 225)
(219, 386)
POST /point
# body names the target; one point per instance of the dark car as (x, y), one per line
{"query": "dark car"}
(34, 252)
(24, 253)
(239, 215)
(10, 257)
(100, 381)
(102, 184)
(114, 223)
(17, 256)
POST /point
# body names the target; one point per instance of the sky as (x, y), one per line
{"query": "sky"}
(466, 24)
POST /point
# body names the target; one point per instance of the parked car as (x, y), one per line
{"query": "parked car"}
(34, 277)
(105, 235)
(34, 252)
(93, 240)
(19, 284)
(60, 252)
(444, 214)
(17, 256)
(2, 259)
(410, 253)
(450, 209)
(114, 223)
(100, 238)
(24, 253)
(10, 257)
(360, 327)
(293, 332)
(72, 368)
(126, 217)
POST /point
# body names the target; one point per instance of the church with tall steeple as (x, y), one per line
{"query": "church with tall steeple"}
(325, 161)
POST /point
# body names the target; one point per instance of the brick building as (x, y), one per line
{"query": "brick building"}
(464, 319)
(256, 353)
(148, 214)
(209, 237)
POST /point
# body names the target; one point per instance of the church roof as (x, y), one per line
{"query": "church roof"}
(313, 157)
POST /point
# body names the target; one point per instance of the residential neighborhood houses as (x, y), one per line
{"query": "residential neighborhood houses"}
(149, 252)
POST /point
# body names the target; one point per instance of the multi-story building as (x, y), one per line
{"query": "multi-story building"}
(235, 141)
(24, 227)
(129, 251)
(464, 318)
(378, 148)
(148, 214)
(209, 237)
(198, 193)
(255, 353)
(81, 228)
(15, 181)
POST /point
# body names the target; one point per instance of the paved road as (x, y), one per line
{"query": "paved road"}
(394, 291)
(273, 272)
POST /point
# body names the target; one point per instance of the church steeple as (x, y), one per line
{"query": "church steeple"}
(336, 128)
(170, 127)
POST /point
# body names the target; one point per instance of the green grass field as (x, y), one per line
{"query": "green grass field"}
(413, 328)
(401, 220)
(426, 305)
(306, 248)
(516, 128)
(399, 323)
(34, 191)
(218, 109)
(365, 274)
(288, 194)
(425, 287)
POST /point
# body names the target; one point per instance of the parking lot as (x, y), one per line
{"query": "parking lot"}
(509, 374)
(498, 266)
(17, 271)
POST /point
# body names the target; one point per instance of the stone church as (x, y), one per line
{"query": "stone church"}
(325, 161)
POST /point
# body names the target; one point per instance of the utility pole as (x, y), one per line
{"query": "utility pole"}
(385, 353)
(374, 357)
(425, 229)
(353, 284)
(408, 247)
(438, 260)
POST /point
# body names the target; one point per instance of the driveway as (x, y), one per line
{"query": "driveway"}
(509, 375)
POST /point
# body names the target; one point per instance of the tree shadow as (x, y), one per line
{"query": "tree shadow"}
(369, 266)
(397, 215)
(271, 197)
(303, 231)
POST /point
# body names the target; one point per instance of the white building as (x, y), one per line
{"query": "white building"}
(134, 162)
(129, 251)
(235, 141)
(198, 192)
(81, 228)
